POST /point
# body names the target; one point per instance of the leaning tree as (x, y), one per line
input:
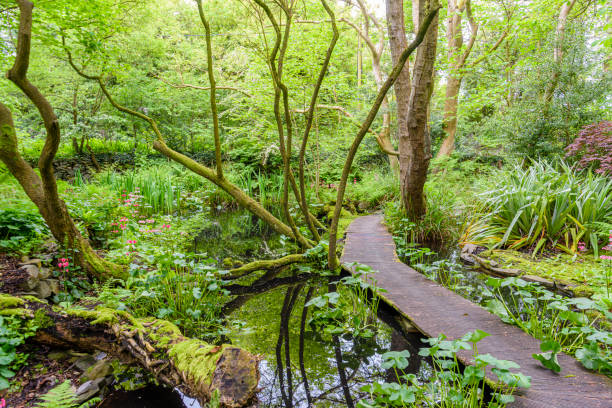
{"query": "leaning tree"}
(42, 189)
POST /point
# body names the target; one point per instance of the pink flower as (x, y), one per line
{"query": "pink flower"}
(606, 257)
(141, 222)
(2, 403)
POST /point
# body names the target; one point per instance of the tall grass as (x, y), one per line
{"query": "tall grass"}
(163, 187)
(544, 206)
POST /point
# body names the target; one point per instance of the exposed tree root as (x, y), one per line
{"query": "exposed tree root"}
(198, 368)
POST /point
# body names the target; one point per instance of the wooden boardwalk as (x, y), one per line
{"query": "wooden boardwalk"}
(433, 309)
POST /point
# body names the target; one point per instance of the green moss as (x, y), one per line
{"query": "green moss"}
(196, 360)
(22, 313)
(96, 316)
(8, 301)
(345, 220)
(162, 332)
(583, 275)
(42, 320)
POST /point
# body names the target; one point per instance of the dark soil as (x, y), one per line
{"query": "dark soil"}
(39, 375)
(11, 277)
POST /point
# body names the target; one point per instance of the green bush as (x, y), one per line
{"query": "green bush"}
(544, 205)
(19, 229)
(13, 332)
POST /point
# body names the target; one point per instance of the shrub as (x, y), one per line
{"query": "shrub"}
(544, 206)
(593, 147)
(19, 227)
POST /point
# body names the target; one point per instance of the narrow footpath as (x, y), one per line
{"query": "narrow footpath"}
(433, 310)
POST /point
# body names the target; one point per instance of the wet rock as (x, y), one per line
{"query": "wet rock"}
(101, 355)
(43, 289)
(33, 276)
(538, 279)
(35, 261)
(89, 389)
(99, 370)
(83, 363)
(44, 273)
(54, 285)
(58, 355)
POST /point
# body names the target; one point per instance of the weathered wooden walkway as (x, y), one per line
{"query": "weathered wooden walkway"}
(433, 309)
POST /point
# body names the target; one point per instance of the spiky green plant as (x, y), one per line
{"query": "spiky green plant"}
(544, 205)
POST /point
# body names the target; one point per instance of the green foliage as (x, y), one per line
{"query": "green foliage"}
(373, 189)
(543, 206)
(508, 115)
(548, 357)
(160, 187)
(449, 384)
(20, 229)
(63, 396)
(351, 309)
(13, 333)
(570, 325)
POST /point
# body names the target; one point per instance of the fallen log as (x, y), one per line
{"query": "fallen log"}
(199, 369)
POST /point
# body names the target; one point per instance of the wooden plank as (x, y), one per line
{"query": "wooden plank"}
(433, 310)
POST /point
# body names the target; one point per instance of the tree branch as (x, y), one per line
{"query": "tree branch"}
(309, 118)
(183, 85)
(213, 93)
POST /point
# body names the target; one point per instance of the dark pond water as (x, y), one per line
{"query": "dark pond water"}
(266, 317)
(298, 364)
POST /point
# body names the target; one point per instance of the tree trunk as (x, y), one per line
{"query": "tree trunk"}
(43, 190)
(451, 103)
(385, 135)
(198, 368)
(455, 42)
(412, 105)
(566, 8)
(50, 206)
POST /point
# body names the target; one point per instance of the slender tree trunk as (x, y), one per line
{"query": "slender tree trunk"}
(451, 103)
(566, 8)
(412, 105)
(451, 100)
(376, 50)
(385, 135)
(42, 190)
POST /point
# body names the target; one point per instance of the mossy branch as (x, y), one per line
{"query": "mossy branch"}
(266, 265)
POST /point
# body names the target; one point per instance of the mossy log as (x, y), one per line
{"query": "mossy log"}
(197, 368)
